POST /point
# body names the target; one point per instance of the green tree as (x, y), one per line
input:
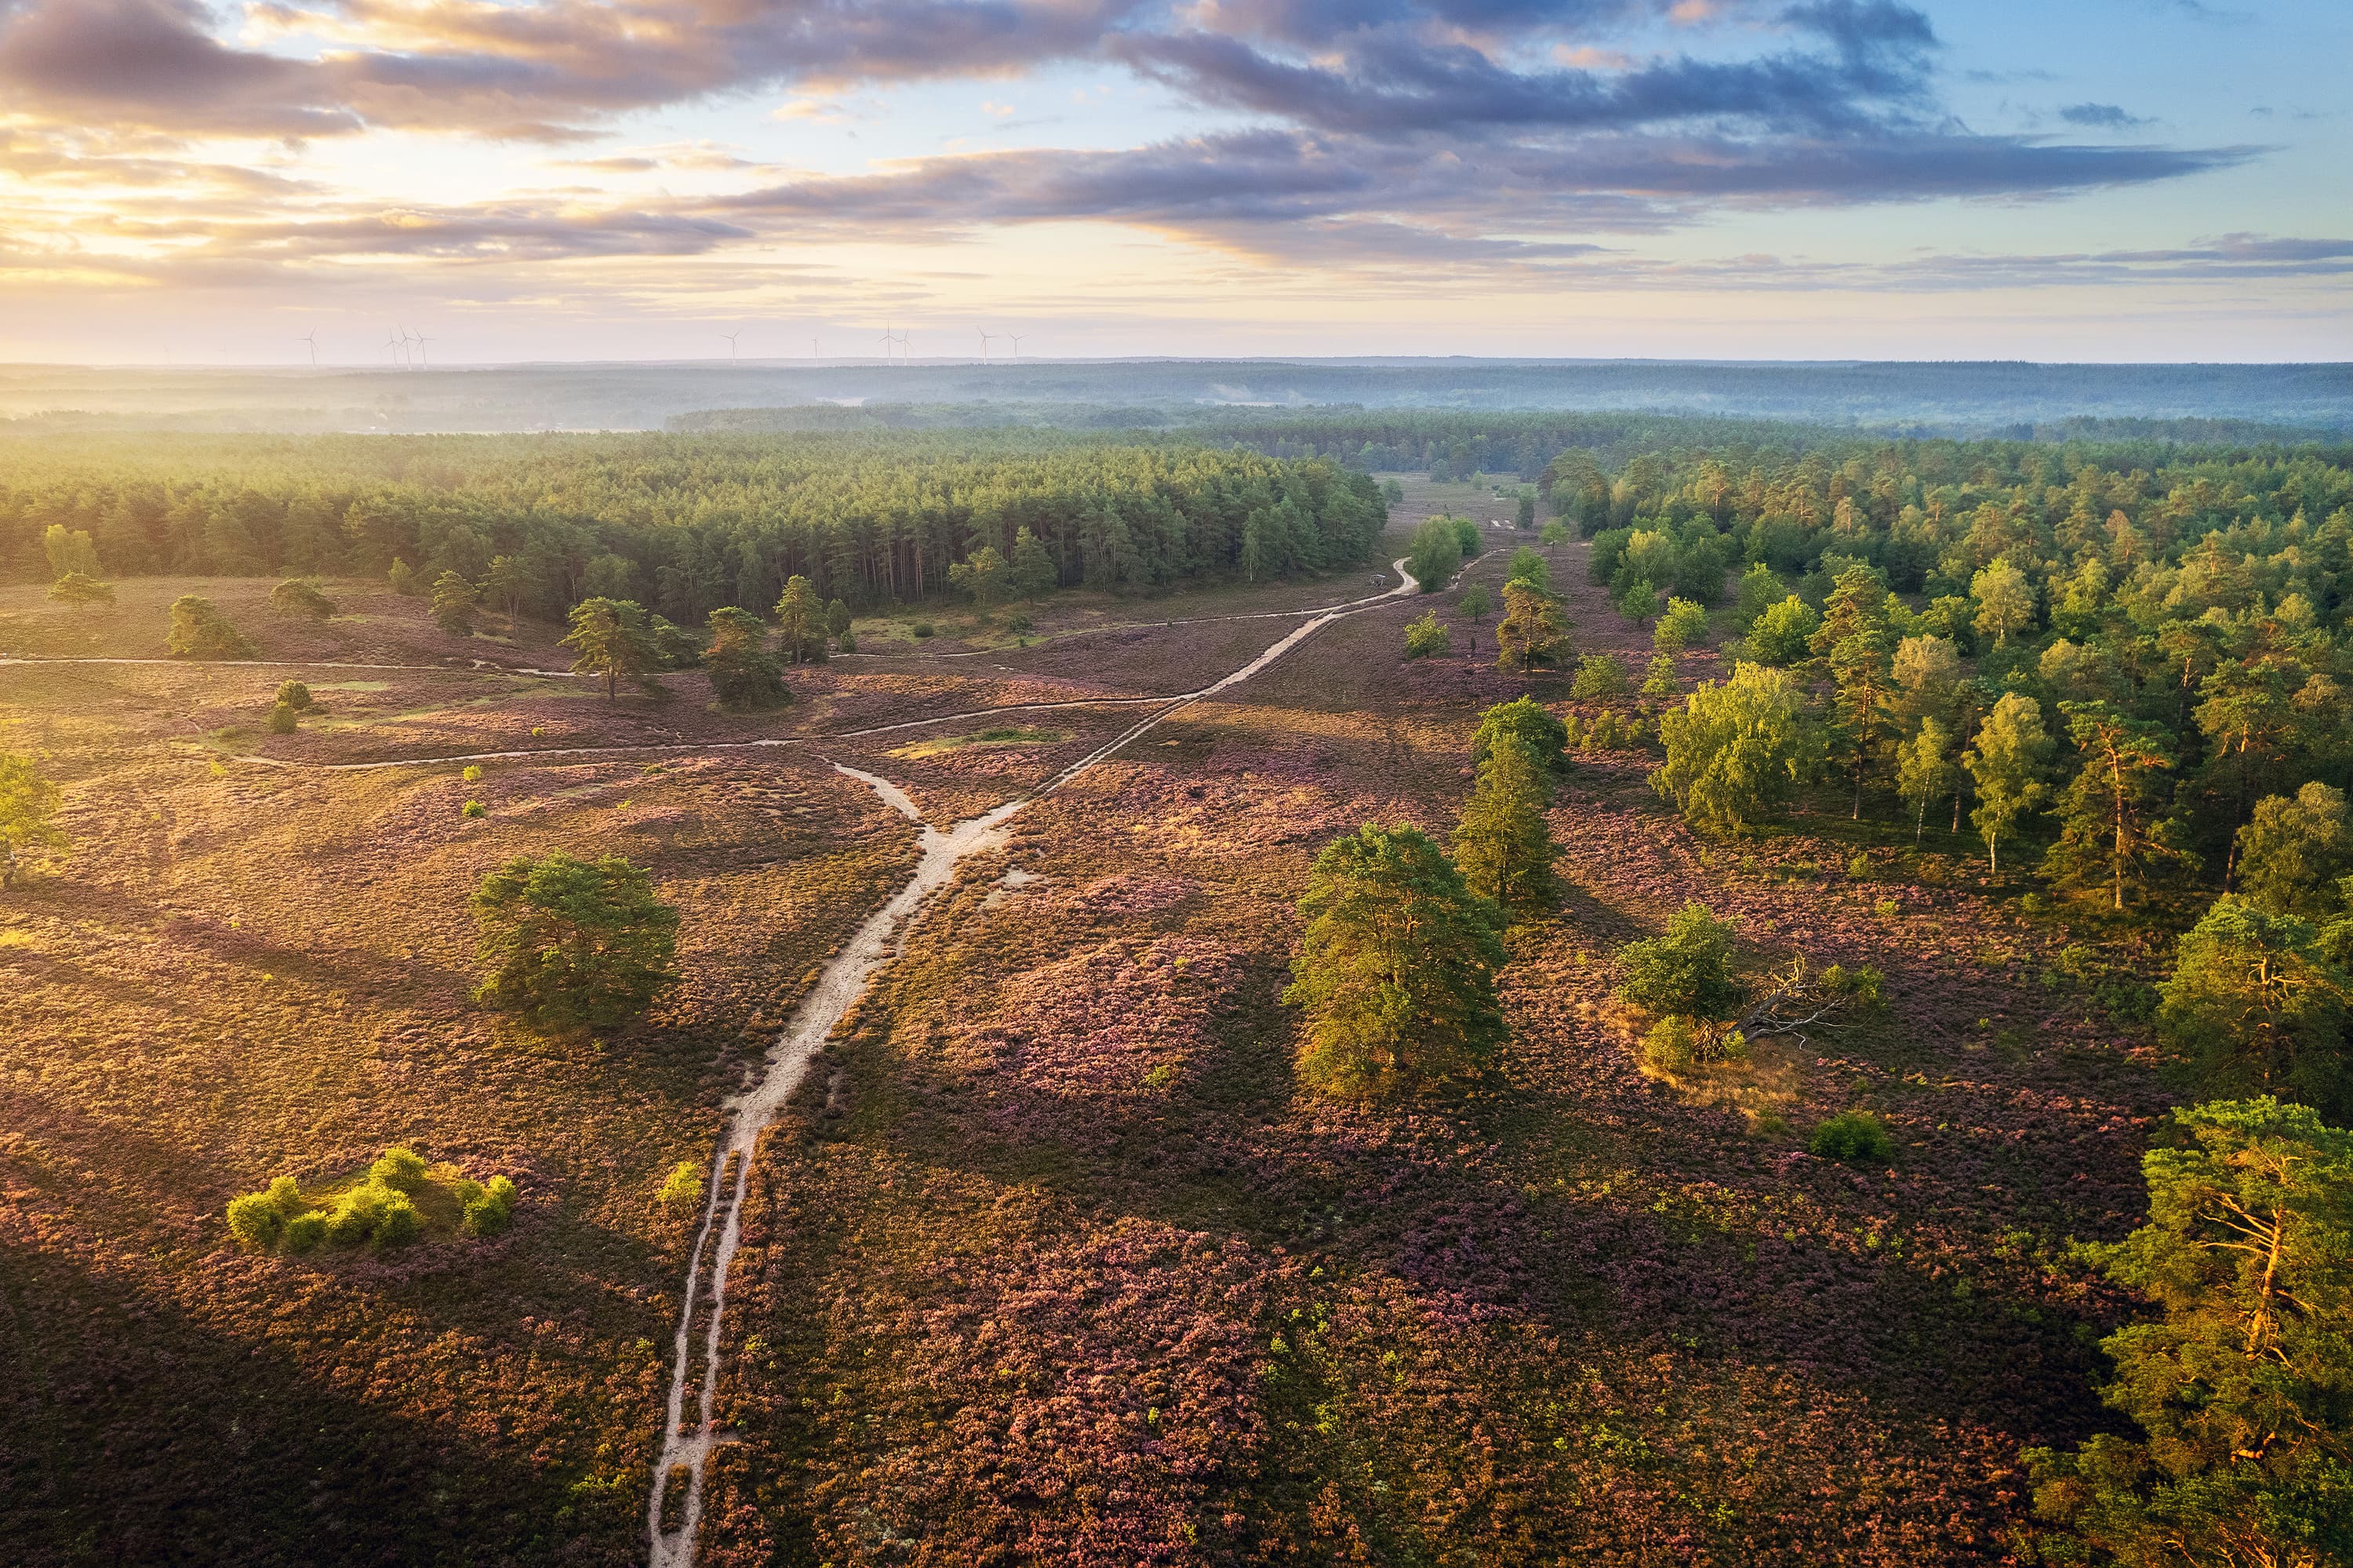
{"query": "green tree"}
(403, 578)
(294, 695)
(1426, 636)
(454, 602)
(1527, 567)
(1032, 570)
(1397, 968)
(1857, 607)
(1436, 551)
(1474, 603)
(2242, 1387)
(1924, 771)
(1553, 536)
(1659, 679)
(1737, 750)
(982, 577)
(1680, 625)
(1532, 631)
(1599, 676)
(1784, 632)
(513, 581)
(2008, 763)
(2005, 600)
(70, 551)
(79, 589)
(1927, 676)
(2111, 832)
(565, 941)
(744, 672)
(296, 595)
(1760, 591)
(27, 801)
(1638, 603)
(837, 619)
(1526, 515)
(800, 619)
(609, 638)
(1523, 721)
(2296, 852)
(2252, 996)
(1686, 970)
(1865, 695)
(1503, 844)
(196, 630)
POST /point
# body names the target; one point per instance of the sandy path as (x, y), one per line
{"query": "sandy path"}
(843, 980)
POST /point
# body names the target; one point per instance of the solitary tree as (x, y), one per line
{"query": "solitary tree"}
(1474, 603)
(199, 630)
(2242, 1387)
(2252, 996)
(1681, 624)
(1553, 534)
(608, 638)
(799, 616)
(1503, 845)
(2111, 829)
(1737, 750)
(1686, 969)
(78, 588)
(2005, 600)
(1435, 552)
(565, 941)
(454, 601)
(27, 802)
(1397, 968)
(1532, 631)
(744, 673)
(2009, 764)
(1523, 721)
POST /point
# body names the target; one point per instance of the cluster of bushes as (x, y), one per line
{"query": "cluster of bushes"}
(197, 629)
(380, 1212)
(294, 699)
(1608, 730)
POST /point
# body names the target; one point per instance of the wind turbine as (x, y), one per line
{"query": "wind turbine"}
(812, 350)
(887, 341)
(421, 341)
(1016, 346)
(412, 339)
(731, 337)
(906, 351)
(987, 337)
(311, 337)
(391, 348)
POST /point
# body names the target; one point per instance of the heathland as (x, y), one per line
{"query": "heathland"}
(1780, 1229)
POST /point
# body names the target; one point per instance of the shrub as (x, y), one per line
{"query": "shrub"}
(1680, 625)
(849, 644)
(285, 1194)
(1785, 633)
(1599, 676)
(397, 1222)
(353, 1220)
(490, 1213)
(1426, 636)
(1853, 1138)
(1435, 552)
(80, 589)
(403, 578)
(1659, 680)
(925, 628)
(473, 808)
(305, 1231)
(399, 1169)
(256, 1221)
(470, 773)
(199, 630)
(1527, 567)
(1671, 1046)
(282, 720)
(295, 597)
(294, 695)
(1685, 969)
(684, 1188)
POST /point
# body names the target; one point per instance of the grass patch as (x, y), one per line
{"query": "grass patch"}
(940, 744)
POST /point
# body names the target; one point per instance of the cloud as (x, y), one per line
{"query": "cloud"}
(153, 63)
(2103, 116)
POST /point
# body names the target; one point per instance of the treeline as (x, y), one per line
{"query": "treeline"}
(685, 524)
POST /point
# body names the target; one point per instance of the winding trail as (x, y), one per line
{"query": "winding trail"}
(843, 980)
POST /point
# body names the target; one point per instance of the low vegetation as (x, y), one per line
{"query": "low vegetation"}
(401, 1199)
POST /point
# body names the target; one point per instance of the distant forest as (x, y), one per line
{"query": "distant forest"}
(685, 524)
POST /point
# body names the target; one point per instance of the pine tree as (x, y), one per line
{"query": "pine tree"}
(983, 577)
(2112, 832)
(608, 638)
(1397, 968)
(565, 941)
(1503, 845)
(800, 619)
(2255, 998)
(453, 604)
(1532, 631)
(1865, 694)
(744, 673)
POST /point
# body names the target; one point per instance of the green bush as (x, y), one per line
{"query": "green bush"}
(305, 1231)
(849, 644)
(1680, 625)
(1599, 676)
(282, 720)
(396, 1222)
(683, 1189)
(196, 630)
(253, 1220)
(472, 773)
(1853, 1138)
(925, 628)
(1426, 636)
(353, 1220)
(286, 1195)
(490, 1213)
(1687, 969)
(1671, 1046)
(294, 695)
(1660, 680)
(399, 1169)
(473, 808)
(295, 597)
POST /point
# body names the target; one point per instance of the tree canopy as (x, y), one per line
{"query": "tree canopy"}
(566, 941)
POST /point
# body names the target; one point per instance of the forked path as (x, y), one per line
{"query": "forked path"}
(687, 1445)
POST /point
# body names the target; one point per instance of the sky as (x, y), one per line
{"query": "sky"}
(247, 181)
